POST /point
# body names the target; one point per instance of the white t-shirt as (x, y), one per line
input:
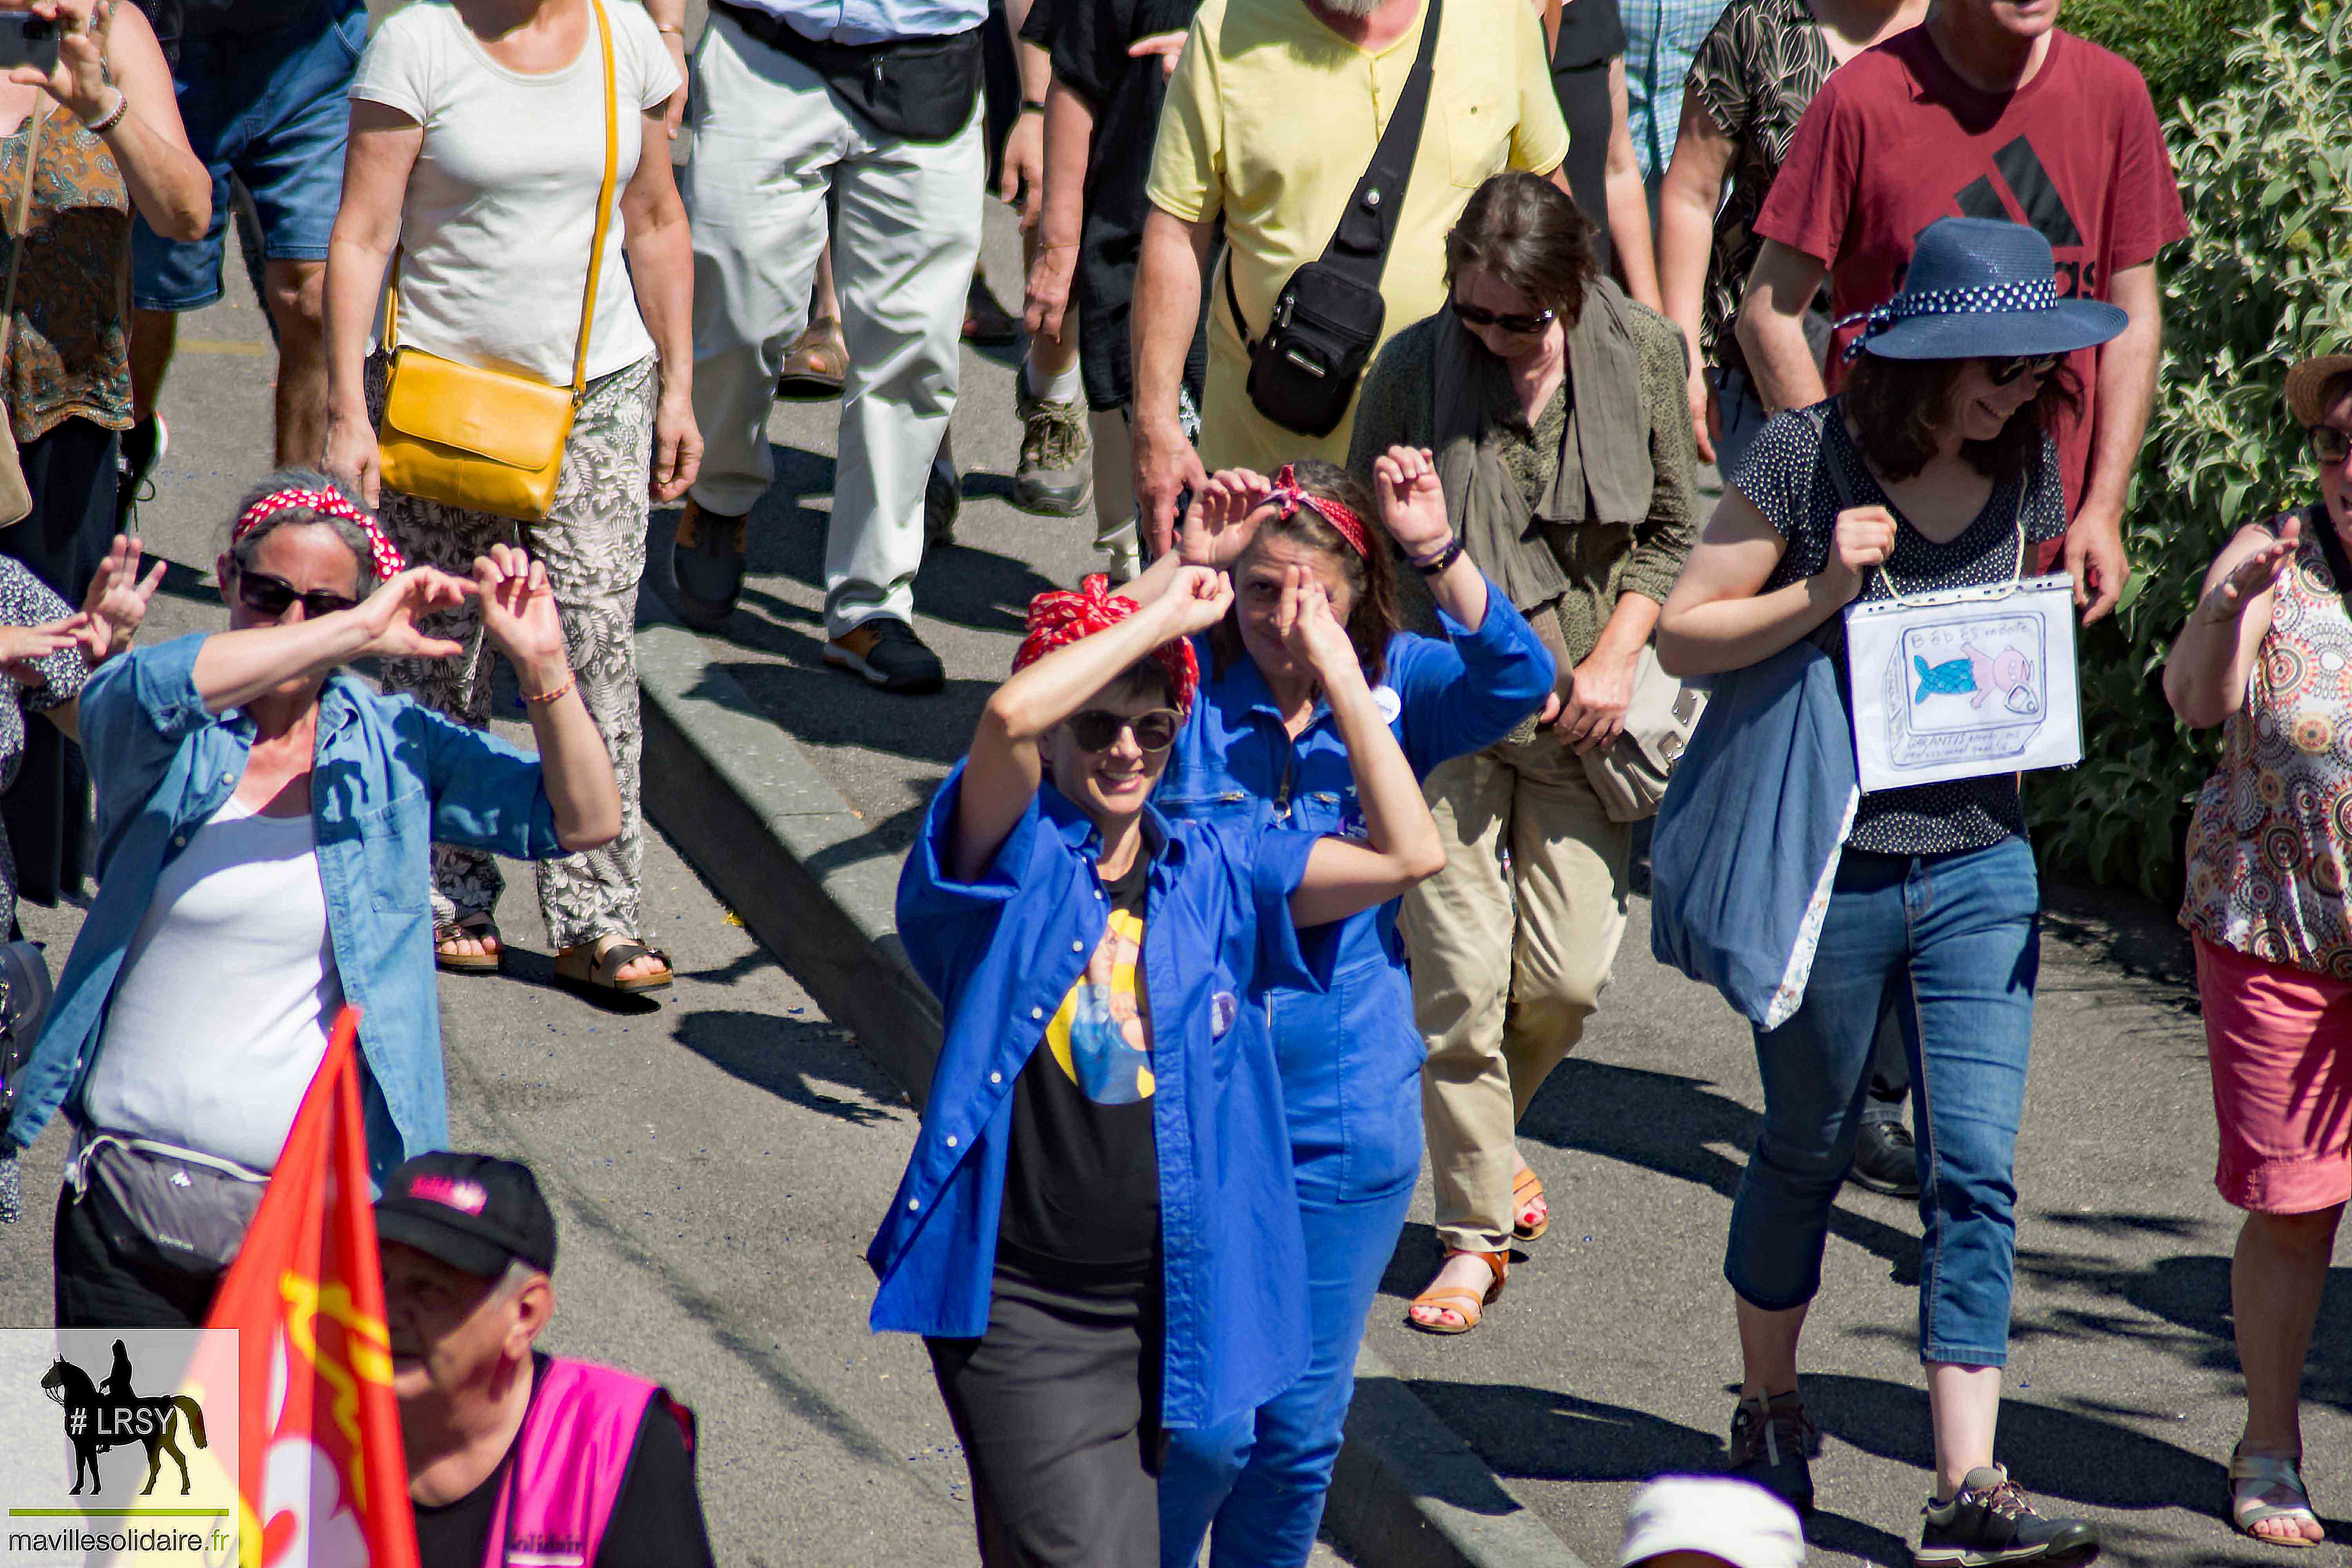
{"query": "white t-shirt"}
(502, 201)
(219, 1020)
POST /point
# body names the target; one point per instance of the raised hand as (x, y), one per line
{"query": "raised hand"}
(1411, 502)
(80, 81)
(116, 606)
(1217, 526)
(2257, 574)
(1864, 539)
(389, 615)
(1197, 600)
(519, 616)
(1310, 633)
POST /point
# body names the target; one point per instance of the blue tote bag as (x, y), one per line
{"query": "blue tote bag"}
(1748, 836)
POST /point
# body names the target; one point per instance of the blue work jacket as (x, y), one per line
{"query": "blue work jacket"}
(1349, 1053)
(388, 778)
(1001, 953)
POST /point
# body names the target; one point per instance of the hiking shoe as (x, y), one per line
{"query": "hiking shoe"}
(142, 447)
(1989, 1521)
(1772, 1444)
(887, 652)
(1886, 1160)
(942, 500)
(986, 322)
(1053, 476)
(706, 560)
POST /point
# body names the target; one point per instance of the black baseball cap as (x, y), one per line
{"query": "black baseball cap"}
(474, 1212)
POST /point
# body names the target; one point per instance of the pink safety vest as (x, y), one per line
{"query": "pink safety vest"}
(570, 1459)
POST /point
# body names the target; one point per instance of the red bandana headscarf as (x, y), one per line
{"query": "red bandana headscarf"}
(384, 554)
(1287, 496)
(1059, 618)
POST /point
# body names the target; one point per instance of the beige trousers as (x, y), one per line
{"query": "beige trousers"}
(1507, 960)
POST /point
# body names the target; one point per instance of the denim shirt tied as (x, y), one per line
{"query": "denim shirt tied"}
(1349, 1053)
(388, 779)
(1001, 953)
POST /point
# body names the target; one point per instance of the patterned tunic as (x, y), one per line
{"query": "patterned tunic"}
(25, 601)
(69, 356)
(2267, 841)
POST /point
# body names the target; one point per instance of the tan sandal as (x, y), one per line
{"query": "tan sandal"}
(2268, 1471)
(815, 364)
(1461, 1301)
(474, 927)
(1527, 1187)
(583, 965)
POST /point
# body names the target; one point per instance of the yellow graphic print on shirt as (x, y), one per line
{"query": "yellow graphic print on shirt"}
(1098, 1034)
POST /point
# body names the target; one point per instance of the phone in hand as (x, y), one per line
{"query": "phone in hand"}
(27, 40)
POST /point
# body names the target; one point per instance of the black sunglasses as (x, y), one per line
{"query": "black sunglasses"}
(2329, 445)
(269, 596)
(2004, 371)
(1096, 731)
(1525, 326)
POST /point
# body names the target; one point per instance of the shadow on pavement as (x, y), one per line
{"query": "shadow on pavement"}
(786, 1056)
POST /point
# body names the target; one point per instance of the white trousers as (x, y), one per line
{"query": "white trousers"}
(769, 139)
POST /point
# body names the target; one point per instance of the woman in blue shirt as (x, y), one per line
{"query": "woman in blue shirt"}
(1097, 1231)
(1262, 746)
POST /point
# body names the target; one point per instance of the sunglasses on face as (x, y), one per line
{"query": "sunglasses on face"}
(1096, 731)
(2329, 445)
(268, 596)
(1525, 326)
(2004, 371)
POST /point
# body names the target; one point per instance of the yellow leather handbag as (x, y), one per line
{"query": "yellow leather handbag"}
(489, 440)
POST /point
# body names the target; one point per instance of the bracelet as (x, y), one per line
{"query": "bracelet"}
(112, 118)
(678, 33)
(1033, 106)
(544, 698)
(1436, 564)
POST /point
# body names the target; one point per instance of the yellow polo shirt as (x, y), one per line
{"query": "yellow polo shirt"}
(1271, 118)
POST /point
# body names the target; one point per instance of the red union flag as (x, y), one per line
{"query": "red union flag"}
(321, 1480)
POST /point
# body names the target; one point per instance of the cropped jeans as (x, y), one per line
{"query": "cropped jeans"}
(1954, 938)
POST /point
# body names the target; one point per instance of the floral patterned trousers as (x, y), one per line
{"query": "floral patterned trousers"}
(592, 541)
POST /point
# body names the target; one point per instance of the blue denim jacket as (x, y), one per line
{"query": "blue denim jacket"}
(1350, 1054)
(1001, 953)
(389, 778)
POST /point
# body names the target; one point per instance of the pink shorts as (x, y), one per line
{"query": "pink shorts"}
(2279, 1040)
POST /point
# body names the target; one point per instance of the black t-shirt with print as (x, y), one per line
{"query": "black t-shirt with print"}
(1786, 474)
(1082, 1179)
(657, 1520)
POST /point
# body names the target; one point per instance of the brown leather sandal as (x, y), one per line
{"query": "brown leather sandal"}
(477, 927)
(1526, 1188)
(583, 965)
(1461, 1301)
(815, 364)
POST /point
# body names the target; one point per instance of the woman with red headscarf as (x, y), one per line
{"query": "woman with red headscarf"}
(1097, 1231)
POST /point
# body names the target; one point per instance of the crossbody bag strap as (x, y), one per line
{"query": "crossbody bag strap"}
(603, 201)
(20, 221)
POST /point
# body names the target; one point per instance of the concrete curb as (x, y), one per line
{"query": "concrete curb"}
(743, 802)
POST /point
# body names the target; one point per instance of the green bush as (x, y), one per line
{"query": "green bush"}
(2263, 280)
(2175, 43)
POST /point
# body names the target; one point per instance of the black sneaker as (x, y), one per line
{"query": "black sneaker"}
(986, 322)
(1886, 1160)
(887, 652)
(706, 561)
(142, 447)
(1772, 1444)
(1989, 1521)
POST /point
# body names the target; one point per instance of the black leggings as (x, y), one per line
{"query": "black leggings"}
(1057, 1407)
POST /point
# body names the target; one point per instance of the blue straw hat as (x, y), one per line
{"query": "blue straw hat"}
(1981, 288)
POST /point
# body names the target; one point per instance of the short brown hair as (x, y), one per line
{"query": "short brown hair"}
(1898, 405)
(1371, 576)
(1526, 232)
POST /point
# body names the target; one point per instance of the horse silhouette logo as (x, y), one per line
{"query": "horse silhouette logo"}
(109, 1415)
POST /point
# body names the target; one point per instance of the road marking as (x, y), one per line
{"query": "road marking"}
(238, 347)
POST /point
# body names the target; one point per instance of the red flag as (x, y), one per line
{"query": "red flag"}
(321, 1478)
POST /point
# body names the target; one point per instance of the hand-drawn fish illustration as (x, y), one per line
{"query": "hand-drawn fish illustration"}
(2008, 672)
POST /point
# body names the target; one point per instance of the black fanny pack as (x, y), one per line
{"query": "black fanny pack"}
(918, 89)
(1328, 318)
(163, 1204)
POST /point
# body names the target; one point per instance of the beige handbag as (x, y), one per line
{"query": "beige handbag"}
(16, 496)
(488, 440)
(1631, 775)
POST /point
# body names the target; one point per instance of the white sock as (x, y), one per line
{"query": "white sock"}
(1063, 388)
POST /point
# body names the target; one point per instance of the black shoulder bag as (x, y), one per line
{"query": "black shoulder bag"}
(1303, 373)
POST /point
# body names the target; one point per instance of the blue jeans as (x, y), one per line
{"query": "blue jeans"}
(1744, 418)
(1260, 1477)
(270, 109)
(1955, 937)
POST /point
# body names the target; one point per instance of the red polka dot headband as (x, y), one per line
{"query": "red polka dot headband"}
(1059, 618)
(1287, 496)
(382, 552)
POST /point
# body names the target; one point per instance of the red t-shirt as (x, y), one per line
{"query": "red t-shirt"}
(1895, 139)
